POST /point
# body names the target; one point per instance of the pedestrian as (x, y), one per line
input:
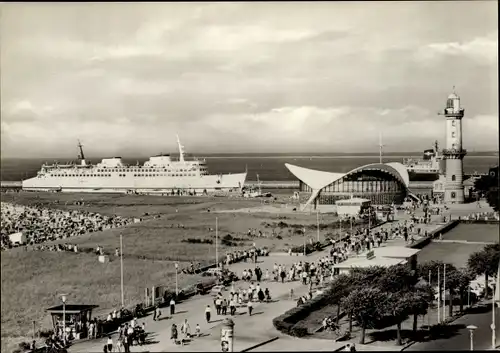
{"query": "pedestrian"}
(218, 305)
(250, 308)
(232, 307)
(173, 333)
(261, 295)
(207, 313)
(158, 313)
(197, 330)
(224, 306)
(172, 307)
(110, 344)
(126, 344)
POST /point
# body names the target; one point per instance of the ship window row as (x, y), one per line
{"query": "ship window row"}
(143, 170)
(123, 175)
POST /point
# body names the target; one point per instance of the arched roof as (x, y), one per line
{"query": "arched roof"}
(317, 179)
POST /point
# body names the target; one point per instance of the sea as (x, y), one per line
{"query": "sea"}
(269, 167)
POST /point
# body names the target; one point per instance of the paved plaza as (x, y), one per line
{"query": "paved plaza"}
(250, 331)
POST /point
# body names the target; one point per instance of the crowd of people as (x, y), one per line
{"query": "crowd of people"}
(39, 224)
(232, 257)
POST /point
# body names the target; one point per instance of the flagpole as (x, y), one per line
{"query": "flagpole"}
(439, 296)
(428, 314)
(444, 292)
(121, 268)
(317, 222)
(216, 242)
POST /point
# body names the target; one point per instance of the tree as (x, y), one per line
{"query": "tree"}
(367, 306)
(485, 262)
(340, 288)
(398, 307)
(421, 299)
(488, 185)
(399, 278)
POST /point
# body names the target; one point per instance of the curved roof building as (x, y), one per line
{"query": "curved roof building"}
(382, 183)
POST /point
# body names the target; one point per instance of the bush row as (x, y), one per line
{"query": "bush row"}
(197, 241)
(289, 322)
(316, 246)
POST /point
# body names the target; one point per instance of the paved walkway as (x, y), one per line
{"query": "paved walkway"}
(249, 331)
(257, 328)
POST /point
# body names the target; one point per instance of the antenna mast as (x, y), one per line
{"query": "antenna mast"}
(181, 149)
(82, 156)
(380, 147)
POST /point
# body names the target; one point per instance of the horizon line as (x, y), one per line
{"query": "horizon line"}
(492, 153)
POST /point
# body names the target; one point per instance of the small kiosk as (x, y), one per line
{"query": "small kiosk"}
(77, 317)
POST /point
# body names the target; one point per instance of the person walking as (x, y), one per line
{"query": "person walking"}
(250, 308)
(208, 313)
(172, 307)
(173, 333)
(110, 344)
(232, 307)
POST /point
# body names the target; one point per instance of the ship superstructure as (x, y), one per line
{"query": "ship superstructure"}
(159, 174)
(427, 168)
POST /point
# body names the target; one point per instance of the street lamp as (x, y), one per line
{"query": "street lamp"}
(176, 280)
(471, 329)
(493, 327)
(63, 298)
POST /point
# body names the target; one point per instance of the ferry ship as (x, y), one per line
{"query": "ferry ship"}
(427, 168)
(160, 174)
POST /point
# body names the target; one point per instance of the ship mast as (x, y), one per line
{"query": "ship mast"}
(82, 156)
(181, 149)
(380, 147)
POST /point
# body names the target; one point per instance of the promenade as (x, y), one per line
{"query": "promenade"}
(248, 331)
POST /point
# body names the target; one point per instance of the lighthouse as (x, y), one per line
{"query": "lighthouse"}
(454, 153)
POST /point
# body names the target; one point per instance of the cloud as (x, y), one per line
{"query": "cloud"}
(481, 49)
(243, 76)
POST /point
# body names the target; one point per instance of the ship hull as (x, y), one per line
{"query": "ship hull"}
(129, 183)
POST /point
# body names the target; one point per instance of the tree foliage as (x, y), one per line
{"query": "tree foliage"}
(367, 305)
(399, 278)
(488, 185)
(485, 261)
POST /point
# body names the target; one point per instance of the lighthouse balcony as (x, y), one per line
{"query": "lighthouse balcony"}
(454, 152)
(451, 114)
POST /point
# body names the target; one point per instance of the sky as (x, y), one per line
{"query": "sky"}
(125, 78)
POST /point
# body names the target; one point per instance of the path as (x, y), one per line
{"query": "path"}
(249, 331)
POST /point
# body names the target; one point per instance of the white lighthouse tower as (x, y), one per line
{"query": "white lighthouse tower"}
(454, 153)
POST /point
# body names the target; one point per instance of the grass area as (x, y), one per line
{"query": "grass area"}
(32, 280)
(474, 232)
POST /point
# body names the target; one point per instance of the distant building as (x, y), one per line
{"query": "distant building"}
(352, 207)
(381, 183)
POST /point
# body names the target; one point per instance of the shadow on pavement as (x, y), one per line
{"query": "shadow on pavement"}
(180, 312)
(479, 309)
(436, 332)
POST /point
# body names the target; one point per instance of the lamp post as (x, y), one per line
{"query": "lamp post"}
(471, 329)
(317, 222)
(176, 280)
(121, 270)
(493, 327)
(63, 298)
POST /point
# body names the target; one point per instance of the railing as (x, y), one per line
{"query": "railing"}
(449, 151)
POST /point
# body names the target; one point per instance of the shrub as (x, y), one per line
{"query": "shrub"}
(287, 322)
(309, 248)
(197, 241)
(299, 330)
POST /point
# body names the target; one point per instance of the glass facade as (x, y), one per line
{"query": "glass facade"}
(378, 186)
